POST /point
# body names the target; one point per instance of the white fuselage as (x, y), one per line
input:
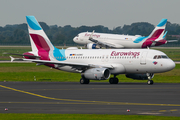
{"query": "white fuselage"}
(121, 41)
(123, 60)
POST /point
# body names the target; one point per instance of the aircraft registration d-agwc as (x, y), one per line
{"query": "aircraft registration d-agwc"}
(94, 64)
(99, 40)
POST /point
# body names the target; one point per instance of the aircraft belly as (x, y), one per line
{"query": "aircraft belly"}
(68, 69)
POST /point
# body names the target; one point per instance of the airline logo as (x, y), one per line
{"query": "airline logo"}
(134, 54)
(94, 35)
(154, 62)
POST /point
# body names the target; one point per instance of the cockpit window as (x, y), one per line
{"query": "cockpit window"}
(155, 57)
(160, 57)
(77, 36)
(164, 56)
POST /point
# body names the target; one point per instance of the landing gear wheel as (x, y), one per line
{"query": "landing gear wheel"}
(150, 82)
(84, 81)
(116, 80)
(113, 80)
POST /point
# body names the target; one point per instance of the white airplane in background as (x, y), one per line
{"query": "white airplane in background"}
(97, 64)
(98, 40)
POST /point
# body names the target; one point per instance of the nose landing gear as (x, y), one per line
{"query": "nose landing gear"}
(150, 76)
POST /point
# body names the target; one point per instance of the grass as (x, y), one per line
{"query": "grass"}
(31, 72)
(13, 116)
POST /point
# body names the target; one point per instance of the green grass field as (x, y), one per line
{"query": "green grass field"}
(81, 117)
(31, 72)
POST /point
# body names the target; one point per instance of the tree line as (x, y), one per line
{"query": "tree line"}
(18, 34)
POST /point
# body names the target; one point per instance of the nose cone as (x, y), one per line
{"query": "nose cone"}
(74, 39)
(171, 65)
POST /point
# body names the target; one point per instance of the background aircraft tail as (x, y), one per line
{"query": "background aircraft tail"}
(158, 32)
(40, 43)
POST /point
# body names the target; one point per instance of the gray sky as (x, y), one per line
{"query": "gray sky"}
(109, 13)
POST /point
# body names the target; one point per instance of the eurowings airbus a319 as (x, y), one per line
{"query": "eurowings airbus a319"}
(96, 64)
(98, 40)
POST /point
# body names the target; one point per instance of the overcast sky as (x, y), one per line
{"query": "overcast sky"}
(109, 13)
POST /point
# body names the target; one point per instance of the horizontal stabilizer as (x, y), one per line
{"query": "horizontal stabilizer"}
(22, 55)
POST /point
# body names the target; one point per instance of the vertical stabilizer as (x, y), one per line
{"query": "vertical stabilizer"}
(40, 43)
(158, 32)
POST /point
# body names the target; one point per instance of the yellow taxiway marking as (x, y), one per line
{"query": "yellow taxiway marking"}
(173, 110)
(162, 110)
(85, 101)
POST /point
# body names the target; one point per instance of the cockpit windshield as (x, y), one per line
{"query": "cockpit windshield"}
(160, 57)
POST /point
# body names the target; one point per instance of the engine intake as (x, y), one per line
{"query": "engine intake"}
(140, 76)
(97, 74)
(92, 46)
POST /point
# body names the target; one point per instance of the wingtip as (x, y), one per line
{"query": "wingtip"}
(12, 59)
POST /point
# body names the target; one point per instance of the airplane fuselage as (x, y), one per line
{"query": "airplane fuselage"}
(121, 41)
(123, 61)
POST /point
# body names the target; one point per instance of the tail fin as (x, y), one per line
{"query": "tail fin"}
(158, 32)
(38, 38)
(40, 43)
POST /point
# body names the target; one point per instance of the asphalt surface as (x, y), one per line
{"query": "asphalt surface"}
(95, 98)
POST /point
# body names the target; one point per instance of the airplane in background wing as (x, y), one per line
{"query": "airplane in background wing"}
(97, 64)
(99, 40)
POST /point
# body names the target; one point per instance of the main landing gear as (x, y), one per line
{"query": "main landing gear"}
(150, 76)
(114, 80)
(84, 81)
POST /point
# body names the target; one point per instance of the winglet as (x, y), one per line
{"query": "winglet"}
(12, 59)
(15, 59)
(91, 35)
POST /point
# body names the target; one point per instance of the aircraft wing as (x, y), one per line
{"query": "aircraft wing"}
(172, 40)
(104, 44)
(62, 63)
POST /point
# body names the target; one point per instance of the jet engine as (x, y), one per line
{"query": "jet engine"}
(140, 76)
(92, 46)
(97, 74)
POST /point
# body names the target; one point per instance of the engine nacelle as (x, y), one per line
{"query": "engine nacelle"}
(97, 74)
(140, 76)
(92, 46)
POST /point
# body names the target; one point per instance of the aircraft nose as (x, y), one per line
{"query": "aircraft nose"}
(171, 65)
(74, 39)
